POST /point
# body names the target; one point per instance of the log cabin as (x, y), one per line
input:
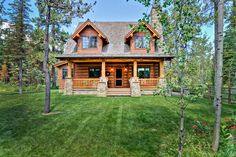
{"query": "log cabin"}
(110, 59)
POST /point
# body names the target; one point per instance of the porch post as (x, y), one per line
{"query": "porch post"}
(69, 74)
(102, 84)
(68, 82)
(103, 69)
(134, 82)
(161, 69)
(162, 74)
(135, 70)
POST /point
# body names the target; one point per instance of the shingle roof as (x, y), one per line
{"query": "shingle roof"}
(115, 32)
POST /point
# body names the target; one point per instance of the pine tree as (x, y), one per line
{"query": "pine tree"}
(229, 56)
(19, 17)
(2, 12)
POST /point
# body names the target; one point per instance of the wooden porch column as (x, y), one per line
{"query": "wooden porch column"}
(135, 69)
(69, 74)
(161, 70)
(103, 69)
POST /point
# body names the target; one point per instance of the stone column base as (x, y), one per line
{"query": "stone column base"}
(135, 87)
(102, 87)
(68, 87)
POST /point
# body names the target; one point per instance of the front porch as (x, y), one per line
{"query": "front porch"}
(111, 77)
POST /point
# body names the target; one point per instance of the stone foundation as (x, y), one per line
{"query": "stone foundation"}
(135, 87)
(102, 87)
(68, 87)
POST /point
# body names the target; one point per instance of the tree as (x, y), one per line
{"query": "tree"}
(67, 9)
(19, 15)
(229, 57)
(2, 12)
(218, 74)
(181, 22)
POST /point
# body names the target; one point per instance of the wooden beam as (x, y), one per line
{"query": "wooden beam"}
(161, 69)
(69, 73)
(103, 69)
(135, 68)
(114, 60)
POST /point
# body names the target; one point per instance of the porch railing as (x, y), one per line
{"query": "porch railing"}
(85, 83)
(148, 83)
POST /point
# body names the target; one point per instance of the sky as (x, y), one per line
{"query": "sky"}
(113, 10)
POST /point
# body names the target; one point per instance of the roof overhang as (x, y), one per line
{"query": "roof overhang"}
(130, 56)
(87, 23)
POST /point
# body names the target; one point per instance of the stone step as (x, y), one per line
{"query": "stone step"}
(118, 92)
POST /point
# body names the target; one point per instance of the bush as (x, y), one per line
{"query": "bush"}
(200, 128)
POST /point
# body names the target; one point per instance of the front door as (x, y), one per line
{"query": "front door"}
(119, 78)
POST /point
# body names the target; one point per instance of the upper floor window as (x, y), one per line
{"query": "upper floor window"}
(94, 72)
(89, 42)
(156, 46)
(140, 42)
(144, 72)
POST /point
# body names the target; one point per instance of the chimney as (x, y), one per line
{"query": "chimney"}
(155, 17)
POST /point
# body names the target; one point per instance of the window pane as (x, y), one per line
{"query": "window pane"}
(94, 72)
(139, 42)
(93, 42)
(144, 72)
(85, 42)
(89, 42)
(64, 73)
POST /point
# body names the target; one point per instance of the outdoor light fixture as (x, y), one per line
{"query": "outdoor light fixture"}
(112, 69)
(125, 69)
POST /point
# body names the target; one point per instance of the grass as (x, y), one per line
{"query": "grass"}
(85, 126)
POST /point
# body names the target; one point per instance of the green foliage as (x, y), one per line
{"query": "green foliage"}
(229, 56)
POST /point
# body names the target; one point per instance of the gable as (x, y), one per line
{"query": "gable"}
(154, 33)
(89, 26)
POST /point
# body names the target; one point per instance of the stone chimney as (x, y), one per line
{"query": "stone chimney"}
(155, 18)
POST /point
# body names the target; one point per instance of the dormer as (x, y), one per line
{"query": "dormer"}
(89, 39)
(137, 40)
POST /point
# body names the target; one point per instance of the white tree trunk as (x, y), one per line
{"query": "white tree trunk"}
(218, 76)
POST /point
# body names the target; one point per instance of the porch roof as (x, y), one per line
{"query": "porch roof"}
(137, 56)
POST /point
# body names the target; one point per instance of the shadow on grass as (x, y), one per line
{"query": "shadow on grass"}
(17, 121)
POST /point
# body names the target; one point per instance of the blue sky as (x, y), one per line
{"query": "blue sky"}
(113, 10)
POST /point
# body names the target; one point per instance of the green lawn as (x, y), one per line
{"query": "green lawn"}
(104, 127)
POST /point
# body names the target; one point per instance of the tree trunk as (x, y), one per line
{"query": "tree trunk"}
(218, 77)
(54, 78)
(181, 144)
(229, 88)
(20, 76)
(215, 42)
(45, 62)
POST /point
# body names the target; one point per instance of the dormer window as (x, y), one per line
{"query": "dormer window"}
(89, 42)
(140, 42)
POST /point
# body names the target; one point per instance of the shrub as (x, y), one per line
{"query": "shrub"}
(200, 128)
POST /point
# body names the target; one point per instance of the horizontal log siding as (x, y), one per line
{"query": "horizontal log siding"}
(81, 71)
(125, 74)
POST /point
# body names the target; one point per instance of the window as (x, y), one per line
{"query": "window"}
(156, 46)
(144, 72)
(89, 42)
(140, 42)
(65, 73)
(94, 72)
